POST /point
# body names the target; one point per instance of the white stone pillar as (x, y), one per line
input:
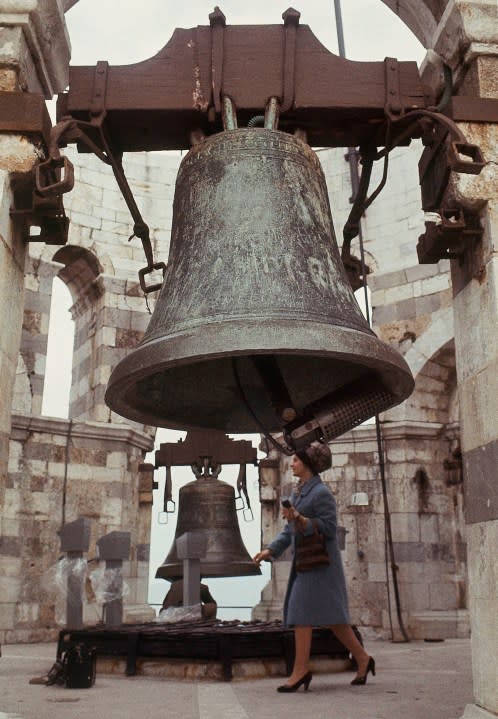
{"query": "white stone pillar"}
(475, 306)
(473, 53)
(34, 57)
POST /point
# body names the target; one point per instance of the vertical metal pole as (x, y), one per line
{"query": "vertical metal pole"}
(191, 582)
(339, 28)
(74, 599)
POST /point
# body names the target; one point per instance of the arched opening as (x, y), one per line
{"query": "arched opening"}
(58, 368)
(235, 596)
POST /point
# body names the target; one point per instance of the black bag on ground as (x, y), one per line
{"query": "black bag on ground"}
(79, 664)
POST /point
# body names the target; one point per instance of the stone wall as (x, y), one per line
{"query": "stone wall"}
(30, 60)
(60, 470)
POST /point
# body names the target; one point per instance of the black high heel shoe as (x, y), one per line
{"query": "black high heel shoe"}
(306, 679)
(359, 681)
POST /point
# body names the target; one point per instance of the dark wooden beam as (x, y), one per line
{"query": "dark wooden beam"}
(157, 103)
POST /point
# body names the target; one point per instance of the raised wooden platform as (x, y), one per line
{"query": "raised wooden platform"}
(221, 642)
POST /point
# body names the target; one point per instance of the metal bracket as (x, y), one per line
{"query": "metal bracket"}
(217, 20)
(50, 181)
(291, 22)
(35, 209)
(393, 106)
(450, 238)
(97, 103)
(441, 157)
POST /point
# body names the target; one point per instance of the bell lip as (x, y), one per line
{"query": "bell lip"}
(255, 338)
(239, 569)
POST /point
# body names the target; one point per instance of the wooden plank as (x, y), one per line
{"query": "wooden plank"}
(24, 113)
(473, 109)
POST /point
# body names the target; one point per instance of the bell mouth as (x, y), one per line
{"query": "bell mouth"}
(174, 570)
(187, 381)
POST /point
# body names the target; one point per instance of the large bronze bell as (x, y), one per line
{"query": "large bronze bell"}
(255, 301)
(207, 505)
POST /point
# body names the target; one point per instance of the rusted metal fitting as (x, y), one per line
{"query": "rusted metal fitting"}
(147, 271)
(439, 159)
(464, 157)
(45, 173)
(450, 238)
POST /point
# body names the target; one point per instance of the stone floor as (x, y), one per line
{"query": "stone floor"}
(418, 680)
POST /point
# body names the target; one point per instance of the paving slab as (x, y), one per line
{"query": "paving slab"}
(418, 680)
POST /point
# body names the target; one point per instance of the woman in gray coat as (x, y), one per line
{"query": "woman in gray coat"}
(317, 597)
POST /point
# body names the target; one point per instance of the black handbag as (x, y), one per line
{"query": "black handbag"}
(79, 666)
(311, 551)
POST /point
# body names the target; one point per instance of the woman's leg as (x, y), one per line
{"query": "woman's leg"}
(302, 639)
(346, 636)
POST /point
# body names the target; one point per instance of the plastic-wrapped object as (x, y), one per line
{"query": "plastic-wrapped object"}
(192, 613)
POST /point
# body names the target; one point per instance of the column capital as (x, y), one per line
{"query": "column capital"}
(466, 24)
(34, 41)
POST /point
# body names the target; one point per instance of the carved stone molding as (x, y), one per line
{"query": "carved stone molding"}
(38, 42)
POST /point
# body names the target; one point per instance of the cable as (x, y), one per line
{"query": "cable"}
(387, 520)
(264, 431)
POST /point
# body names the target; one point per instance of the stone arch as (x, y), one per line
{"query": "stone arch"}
(82, 274)
(438, 334)
(431, 359)
(81, 271)
(421, 17)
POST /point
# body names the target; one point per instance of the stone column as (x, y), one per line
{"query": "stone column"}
(34, 56)
(475, 304)
(475, 307)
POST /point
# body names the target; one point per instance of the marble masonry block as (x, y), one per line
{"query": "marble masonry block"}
(482, 544)
(476, 306)
(478, 399)
(87, 200)
(27, 612)
(429, 528)
(443, 595)
(87, 220)
(394, 295)
(7, 616)
(10, 589)
(415, 596)
(405, 526)
(437, 283)
(113, 199)
(484, 640)
(376, 571)
(438, 624)
(94, 176)
(409, 551)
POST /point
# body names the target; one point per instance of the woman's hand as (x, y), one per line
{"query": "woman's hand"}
(289, 513)
(292, 515)
(263, 556)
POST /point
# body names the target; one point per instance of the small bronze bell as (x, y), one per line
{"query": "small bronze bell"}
(256, 321)
(207, 505)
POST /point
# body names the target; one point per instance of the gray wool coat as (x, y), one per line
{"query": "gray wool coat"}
(317, 597)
